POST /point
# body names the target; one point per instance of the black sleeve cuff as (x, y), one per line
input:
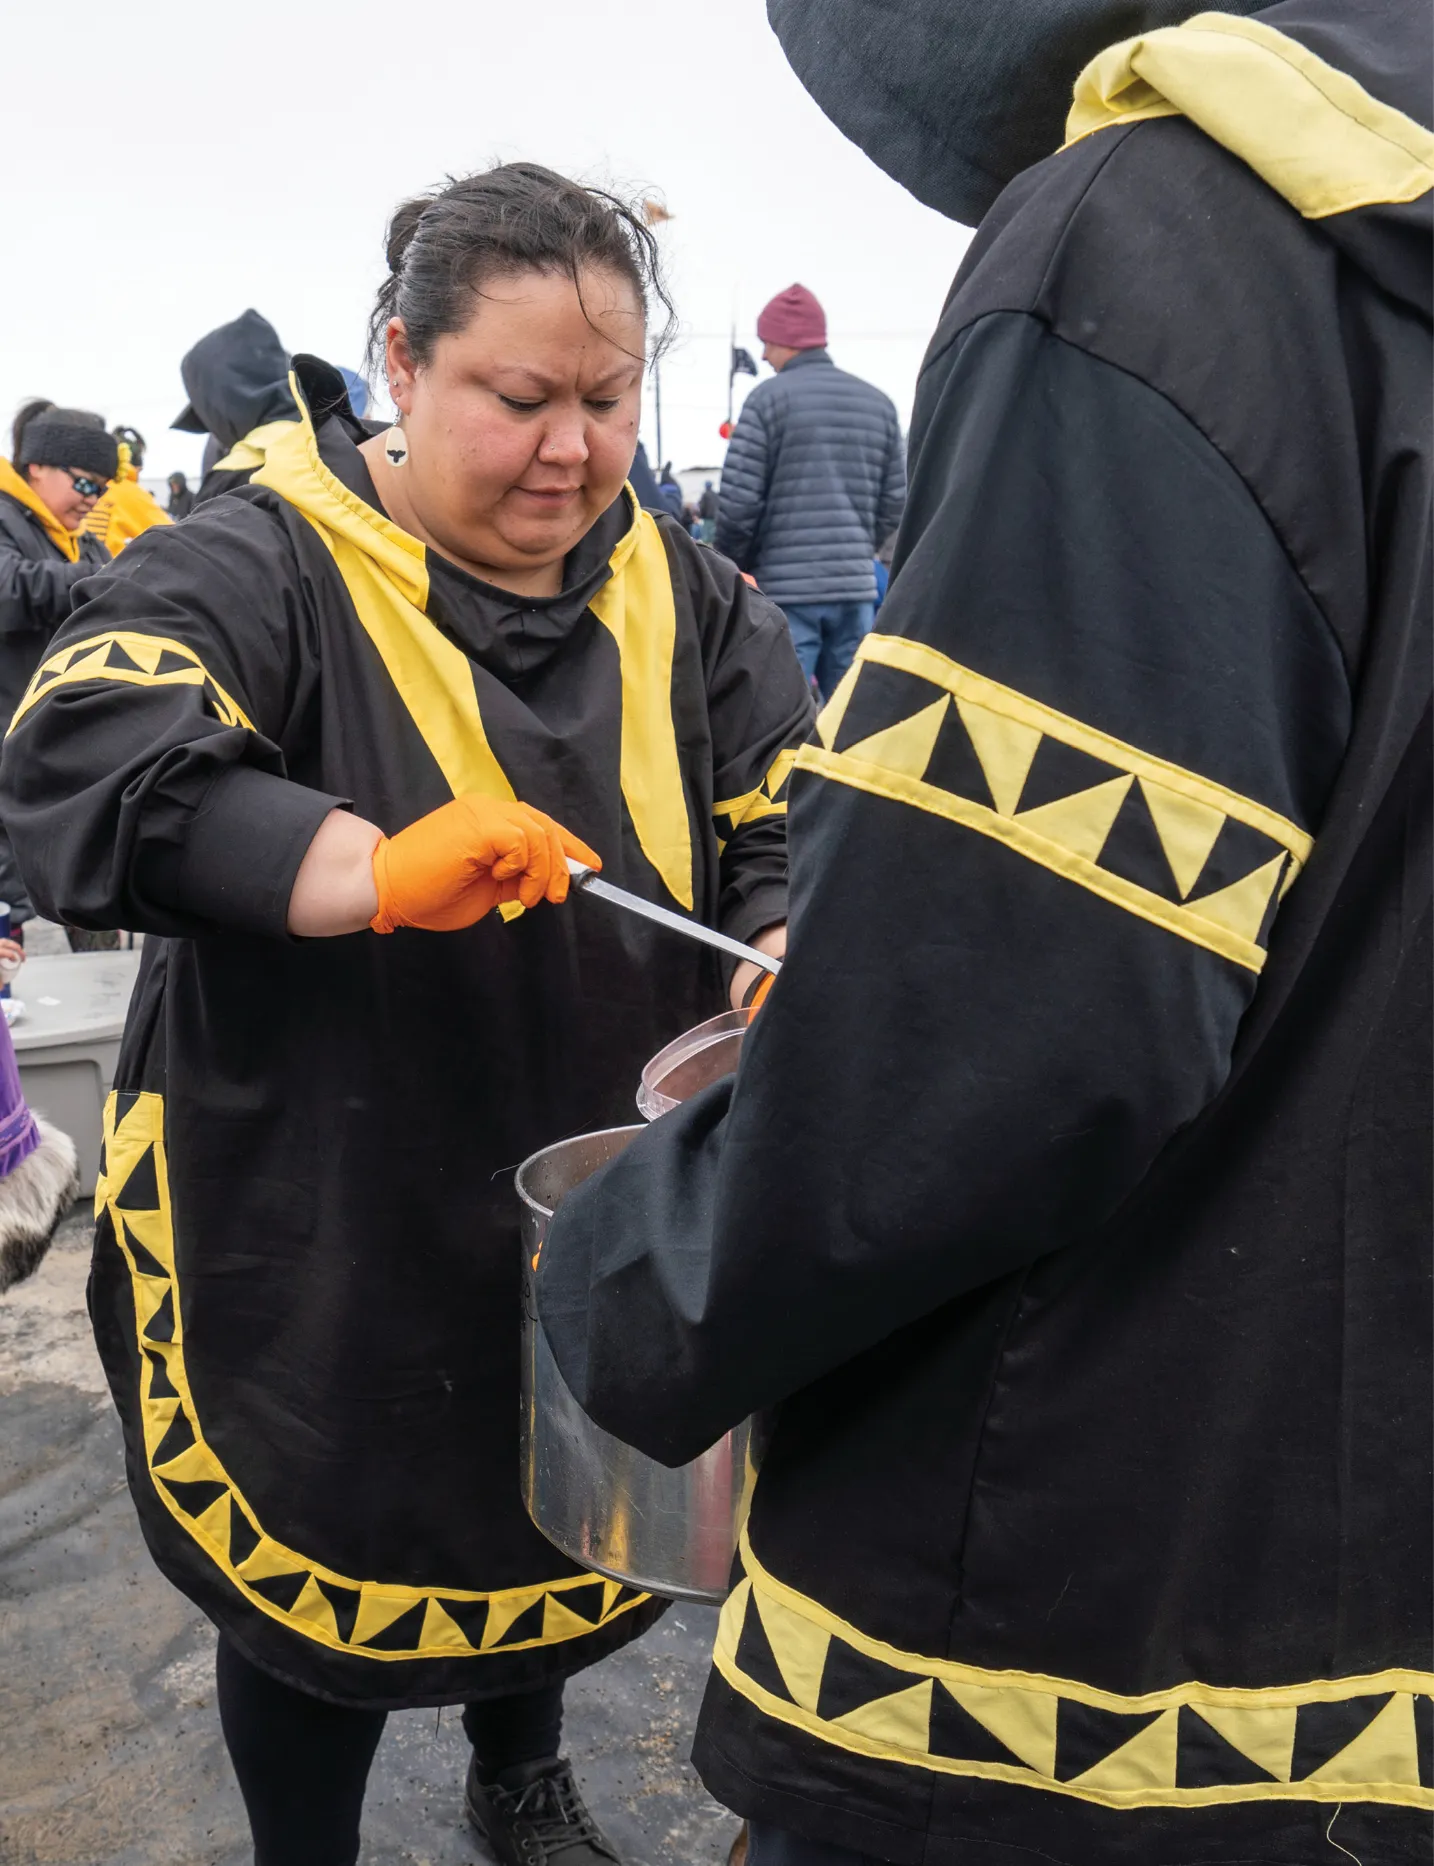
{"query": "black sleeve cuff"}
(244, 847)
(762, 905)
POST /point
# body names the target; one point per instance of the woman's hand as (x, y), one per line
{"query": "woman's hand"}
(458, 863)
(773, 942)
(12, 957)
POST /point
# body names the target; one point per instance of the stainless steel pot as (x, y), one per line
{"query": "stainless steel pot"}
(603, 1503)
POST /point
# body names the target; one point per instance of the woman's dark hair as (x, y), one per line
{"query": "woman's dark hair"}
(444, 247)
(24, 415)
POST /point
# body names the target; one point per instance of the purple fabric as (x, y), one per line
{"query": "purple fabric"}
(19, 1135)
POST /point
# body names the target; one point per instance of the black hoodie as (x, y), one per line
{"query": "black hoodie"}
(1073, 1196)
(237, 380)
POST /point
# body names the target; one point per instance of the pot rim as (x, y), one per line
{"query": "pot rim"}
(633, 1128)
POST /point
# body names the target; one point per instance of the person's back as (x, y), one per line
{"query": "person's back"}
(813, 483)
(1092, 1523)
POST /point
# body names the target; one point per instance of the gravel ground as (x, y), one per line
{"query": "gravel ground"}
(110, 1753)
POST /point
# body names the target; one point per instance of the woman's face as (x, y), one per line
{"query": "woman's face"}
(522, 426)
(56, 487)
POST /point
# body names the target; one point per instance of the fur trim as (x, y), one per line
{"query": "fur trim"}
(33, 1200)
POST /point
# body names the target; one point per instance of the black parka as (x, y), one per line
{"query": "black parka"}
(305, 1287)
(1072, 1203)
(37, 584)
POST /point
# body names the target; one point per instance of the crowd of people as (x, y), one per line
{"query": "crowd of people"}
(1066, 1227)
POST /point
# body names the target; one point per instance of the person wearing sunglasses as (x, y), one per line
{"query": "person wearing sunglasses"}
(61, 462)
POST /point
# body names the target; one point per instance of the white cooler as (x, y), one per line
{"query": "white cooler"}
(67, 1043)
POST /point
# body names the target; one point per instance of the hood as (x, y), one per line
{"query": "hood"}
(1387, 47)
(237, 379)
(953, 98)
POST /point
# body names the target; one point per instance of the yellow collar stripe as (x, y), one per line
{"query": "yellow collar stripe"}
(386, 574)
(252, 450)
(636, 607)
(1311, 132)
(20, 489)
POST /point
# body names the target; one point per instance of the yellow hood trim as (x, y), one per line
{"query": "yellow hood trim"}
(1313, 133)
(385, 571)
(244, 455)
(20, 489)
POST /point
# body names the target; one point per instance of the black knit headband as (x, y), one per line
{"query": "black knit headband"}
(46, 442)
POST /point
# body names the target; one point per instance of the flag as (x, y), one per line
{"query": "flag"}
(742, 364)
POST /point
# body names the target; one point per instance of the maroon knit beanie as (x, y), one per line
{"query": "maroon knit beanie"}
(793, 319)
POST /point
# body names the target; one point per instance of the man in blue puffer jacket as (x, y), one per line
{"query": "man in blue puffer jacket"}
(813, 484)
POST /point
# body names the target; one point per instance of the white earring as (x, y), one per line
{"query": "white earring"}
(395, 445)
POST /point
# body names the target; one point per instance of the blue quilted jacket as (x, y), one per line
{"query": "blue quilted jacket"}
(814, 481)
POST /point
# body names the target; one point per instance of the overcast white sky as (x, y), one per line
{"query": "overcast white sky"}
(181, 162)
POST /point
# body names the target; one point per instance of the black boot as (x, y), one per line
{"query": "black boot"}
(534, 1814)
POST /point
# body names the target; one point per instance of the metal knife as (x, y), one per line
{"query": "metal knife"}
(590, 882)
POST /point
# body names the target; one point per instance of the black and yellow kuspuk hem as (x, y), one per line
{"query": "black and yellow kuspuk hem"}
(1158, 841)
(1192, 1745)
(131, 659)
(370, 1618)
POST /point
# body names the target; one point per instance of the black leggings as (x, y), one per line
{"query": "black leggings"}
(303, 1764)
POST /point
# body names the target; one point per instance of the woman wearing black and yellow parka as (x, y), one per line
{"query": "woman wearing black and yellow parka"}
(374, 690)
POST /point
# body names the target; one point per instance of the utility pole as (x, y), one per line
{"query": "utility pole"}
(656, 213)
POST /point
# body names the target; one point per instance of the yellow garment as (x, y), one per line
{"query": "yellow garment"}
(1316, 136)
(386, 573)
(22, 491)
(125, 510)
(250, 453)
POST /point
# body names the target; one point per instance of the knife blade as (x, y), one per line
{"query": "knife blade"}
(588, 881)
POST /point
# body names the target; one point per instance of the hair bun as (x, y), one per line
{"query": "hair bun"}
(401, 230)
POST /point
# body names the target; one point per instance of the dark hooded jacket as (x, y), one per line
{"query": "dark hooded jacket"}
(1072, 1202)
(237, 380)
(37, 587)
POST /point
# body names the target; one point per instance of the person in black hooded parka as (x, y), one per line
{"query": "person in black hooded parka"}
(1071, 1205)
(237, 380)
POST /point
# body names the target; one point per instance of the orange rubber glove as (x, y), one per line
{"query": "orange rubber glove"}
(462, 860)
(759, 995)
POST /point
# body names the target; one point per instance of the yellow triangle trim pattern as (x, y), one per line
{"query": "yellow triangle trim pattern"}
(1022, 1710)
(1005, 748)
(1068, 835)
(1081, 823)
(902, 1720)
(89, 660)
(1386, 1750)
(133, 1134)
(799, 1648)
(1266, 1736)
(1025, 1721)
(906, 746)
(1146, 1761)
(1240, 908)
(830, 717)
(1187, 830)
